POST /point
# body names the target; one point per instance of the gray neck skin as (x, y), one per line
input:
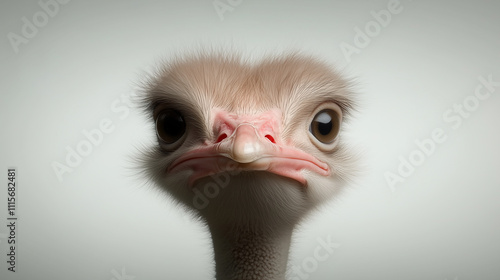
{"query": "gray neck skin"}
(248, 254)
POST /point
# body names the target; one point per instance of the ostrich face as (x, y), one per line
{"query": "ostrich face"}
(254, 143)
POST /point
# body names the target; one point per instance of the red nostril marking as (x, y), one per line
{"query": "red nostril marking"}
(221, 137)
(270, 138)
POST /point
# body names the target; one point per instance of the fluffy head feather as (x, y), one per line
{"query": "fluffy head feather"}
(291, 86)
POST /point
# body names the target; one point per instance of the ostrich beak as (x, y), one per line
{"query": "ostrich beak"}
(245, 145)
(250, 144)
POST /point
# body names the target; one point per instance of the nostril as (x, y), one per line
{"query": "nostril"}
(270, 138)
(221, 137)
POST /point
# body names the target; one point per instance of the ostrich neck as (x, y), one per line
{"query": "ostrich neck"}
(248, 254)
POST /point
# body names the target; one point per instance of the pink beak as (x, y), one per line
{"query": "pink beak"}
(247, 143)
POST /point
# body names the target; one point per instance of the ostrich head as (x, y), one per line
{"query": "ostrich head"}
(250, 148)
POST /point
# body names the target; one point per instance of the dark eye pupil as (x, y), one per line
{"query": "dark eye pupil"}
(173, 125)
(324, 123)
(170, 126)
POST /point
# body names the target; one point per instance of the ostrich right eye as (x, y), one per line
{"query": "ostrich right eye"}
(325, 126)
(170, 126)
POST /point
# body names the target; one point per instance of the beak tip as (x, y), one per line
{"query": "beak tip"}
(245, 153)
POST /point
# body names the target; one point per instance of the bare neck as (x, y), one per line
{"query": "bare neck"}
(248, 254)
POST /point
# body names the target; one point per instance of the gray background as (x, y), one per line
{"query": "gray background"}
(101, 222)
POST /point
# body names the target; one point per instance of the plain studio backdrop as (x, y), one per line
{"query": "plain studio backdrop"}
(427, 205)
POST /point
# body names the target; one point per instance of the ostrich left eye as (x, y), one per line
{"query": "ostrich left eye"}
(325, 126)
(170, 126)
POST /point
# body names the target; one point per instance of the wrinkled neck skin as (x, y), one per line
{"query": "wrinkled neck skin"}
(248, 254)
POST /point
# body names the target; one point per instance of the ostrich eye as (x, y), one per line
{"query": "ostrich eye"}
(325, 126)
(170, 126)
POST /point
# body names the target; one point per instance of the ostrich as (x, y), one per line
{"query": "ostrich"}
(248, 148)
